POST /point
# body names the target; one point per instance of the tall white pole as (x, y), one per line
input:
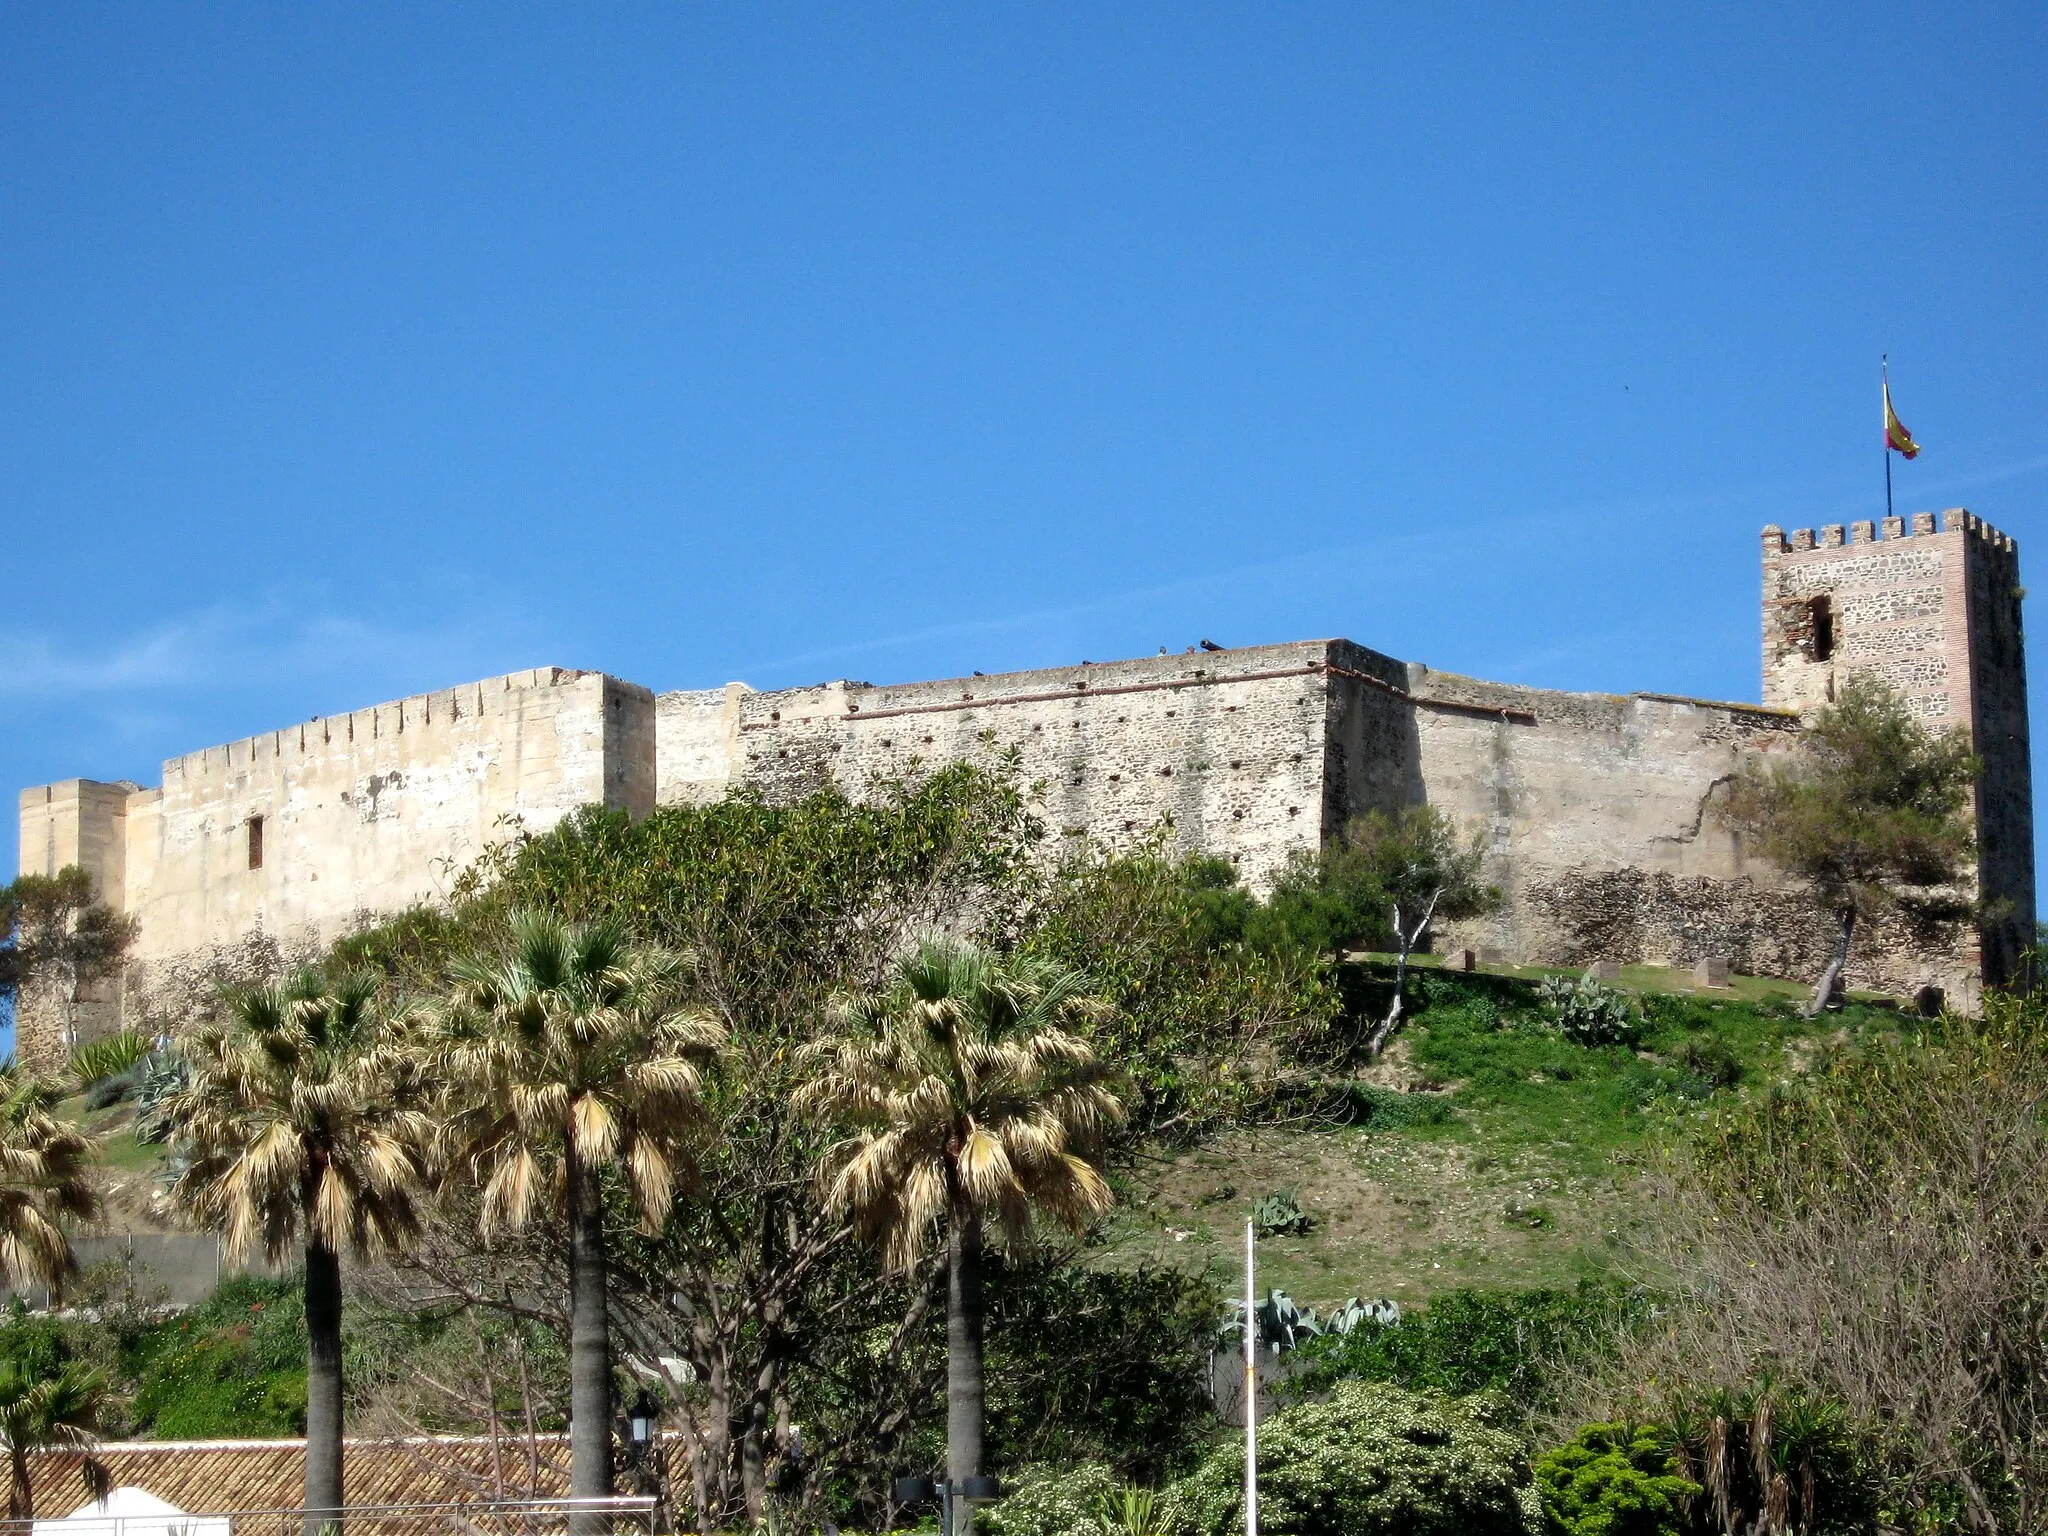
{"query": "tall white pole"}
(1251, 1390)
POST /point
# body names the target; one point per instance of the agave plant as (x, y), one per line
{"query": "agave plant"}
(1284, 1324)
(1355, 1313)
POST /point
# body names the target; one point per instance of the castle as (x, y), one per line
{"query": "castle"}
(1597, 810)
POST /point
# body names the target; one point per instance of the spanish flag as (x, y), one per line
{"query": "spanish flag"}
(1896, 438)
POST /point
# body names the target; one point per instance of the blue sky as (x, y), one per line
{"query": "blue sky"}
(347, 352)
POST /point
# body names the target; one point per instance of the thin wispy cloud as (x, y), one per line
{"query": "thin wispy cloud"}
(226, 648)
(1433, 547)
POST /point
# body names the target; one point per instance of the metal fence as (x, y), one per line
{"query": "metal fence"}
(624, 1516)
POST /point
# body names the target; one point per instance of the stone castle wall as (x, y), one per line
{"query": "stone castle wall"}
(1230, 748)
(1935, 613)
(299, 832)
(1597, 811)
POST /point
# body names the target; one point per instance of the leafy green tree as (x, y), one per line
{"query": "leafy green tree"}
(45, 1177)
(570, 1053)
(63, 936)
(1614, 1480)
(1097, 1364)
(46, 1412)
(1424, 872)
(786, 906)
(1874, 811)
(300, 1130)
(1209, 989)
(1370, 1460)
(972, 1097)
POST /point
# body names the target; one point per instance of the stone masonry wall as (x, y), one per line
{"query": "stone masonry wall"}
(1597, 812)
(76, 821)
(378, 808)
(1230, 747)
(361, 813)
(2005, 791)
(1937, 614)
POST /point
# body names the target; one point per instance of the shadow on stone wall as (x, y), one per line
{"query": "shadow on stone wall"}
(1637, 917)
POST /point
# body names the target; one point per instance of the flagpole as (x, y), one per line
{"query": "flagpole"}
(1884, 365)
(1251, 1391)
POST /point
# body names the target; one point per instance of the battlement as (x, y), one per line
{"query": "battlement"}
(1935, 614)
(1801, 541)
(416, 712)
(1597, 811)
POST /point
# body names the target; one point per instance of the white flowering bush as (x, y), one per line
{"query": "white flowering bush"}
(1053, 1501)
(1370, 1460)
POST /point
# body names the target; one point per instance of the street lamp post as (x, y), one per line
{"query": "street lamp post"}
(968, 1490)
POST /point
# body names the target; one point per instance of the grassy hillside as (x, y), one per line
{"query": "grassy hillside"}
(1493, 1151)
(1485, 1149)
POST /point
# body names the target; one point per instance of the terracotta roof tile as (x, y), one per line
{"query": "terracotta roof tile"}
(207, 1477)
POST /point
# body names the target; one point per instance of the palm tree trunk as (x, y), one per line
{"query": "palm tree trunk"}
(590, 1359)
(965, 1399)
(1824, 989)
(21, 1489)
(323, 1389)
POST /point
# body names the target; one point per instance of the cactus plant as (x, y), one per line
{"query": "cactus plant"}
(1280, 1215)
(1588, 1013)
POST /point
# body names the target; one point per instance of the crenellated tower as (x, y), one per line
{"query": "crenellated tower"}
(1935, 612)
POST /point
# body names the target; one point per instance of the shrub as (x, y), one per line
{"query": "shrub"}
(1390, 1109)
(1872, 1231)
(1613, 1480)
(1054, 1501)
(1710, 1059)
(1588, 1013)
(1511, 1342)
(1775, 1459)
(1370, 1460)
(232, 1368)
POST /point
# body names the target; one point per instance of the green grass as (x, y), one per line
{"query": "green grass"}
(124, 1154)
(1495, 1151)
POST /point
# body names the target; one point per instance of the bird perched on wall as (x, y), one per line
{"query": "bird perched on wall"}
(1211, 645)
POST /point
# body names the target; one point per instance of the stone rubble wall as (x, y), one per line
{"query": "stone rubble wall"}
(1229, 748)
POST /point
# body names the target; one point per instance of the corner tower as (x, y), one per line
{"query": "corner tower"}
(1935, 613)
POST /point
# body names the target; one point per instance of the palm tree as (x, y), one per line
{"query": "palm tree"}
(39, 1412)
(300, 1129)
(570, 1053)
(969, 1097)
(45, 1175)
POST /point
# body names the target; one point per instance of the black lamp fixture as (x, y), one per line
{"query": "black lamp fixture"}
(646, 1417)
